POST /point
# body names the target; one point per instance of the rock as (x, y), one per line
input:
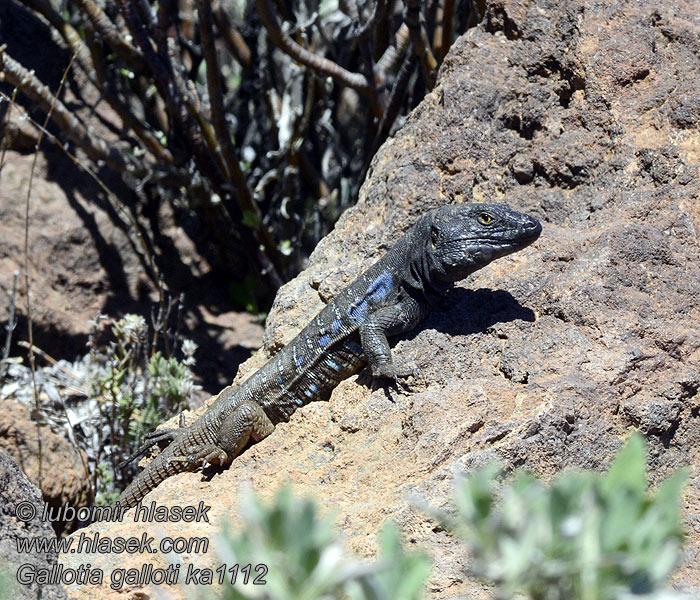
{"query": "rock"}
(60, 472)
(547, 359)
(16, 489)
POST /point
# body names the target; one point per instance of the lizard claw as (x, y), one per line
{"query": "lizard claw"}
(379, 383)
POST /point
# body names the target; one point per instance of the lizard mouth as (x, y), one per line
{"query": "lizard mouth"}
(524, 239)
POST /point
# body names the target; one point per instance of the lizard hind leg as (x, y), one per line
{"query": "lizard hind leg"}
(247, 422)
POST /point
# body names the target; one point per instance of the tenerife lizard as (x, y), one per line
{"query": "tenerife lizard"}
(446, 245)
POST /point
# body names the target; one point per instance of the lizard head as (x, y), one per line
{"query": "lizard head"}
(467, 237)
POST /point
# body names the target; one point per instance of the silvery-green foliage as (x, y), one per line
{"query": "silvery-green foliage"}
(305, 560)
(586, 536)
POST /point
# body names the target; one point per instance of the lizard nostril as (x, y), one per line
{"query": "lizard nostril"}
(532, 225)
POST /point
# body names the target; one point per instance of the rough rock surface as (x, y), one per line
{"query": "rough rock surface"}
(61, 472)
(586, 115)
(15, 488)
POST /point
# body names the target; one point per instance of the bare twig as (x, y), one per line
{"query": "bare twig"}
(392, 55)
(215, 87)
(27, 291)
(377, 15)
(81, 388)
(111, 35)
(178, 321)
(159, 320)
(419, 41)
(164, 79)
(354, 80)
(10, 327)
(93, 71)
(234, 40)
(8, 114)
(66, 30)
(366, 45)
(96, 148)
(51, 360)
(245, 199)
(398, 92)
(447, 27)
(118, 207)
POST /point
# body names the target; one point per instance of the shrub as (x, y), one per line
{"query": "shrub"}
(305, 561)
(588, 536)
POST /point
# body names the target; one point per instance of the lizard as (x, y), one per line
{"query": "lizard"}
(445, 245)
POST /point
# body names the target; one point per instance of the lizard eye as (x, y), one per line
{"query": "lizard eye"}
(485, 218)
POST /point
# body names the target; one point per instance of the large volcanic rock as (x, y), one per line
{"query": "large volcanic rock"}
(586, 115)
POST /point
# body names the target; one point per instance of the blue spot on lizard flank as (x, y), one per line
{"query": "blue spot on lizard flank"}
(299, 401)
(332, 364)
(324, 340)
(300, 360)
(308, 393)
(380, 287)
(314, 388)
(352, 346)
(336, 325)
(358, 311)
(279, 380)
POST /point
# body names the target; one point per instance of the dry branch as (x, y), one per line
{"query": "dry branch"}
(356, 81)
(108, 31)
(447, 22)
(419, 41)
(67, 32)
(96, 148)
(392, 55)
(234, 40)
(9, 327)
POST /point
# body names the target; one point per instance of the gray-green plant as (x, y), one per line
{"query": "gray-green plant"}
(304, 560)
(587, 536)
(136, 387)
(8, 585)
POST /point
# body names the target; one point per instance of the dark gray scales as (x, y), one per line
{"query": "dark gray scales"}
(446, 245)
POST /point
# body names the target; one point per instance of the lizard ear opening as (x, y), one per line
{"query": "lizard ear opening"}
(434, 235)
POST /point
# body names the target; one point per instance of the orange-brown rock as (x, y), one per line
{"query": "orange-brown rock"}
(51, 462)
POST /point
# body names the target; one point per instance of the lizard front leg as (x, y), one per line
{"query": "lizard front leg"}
(389, 320)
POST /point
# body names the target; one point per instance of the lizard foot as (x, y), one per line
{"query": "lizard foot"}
(387, 375)
(216, 456)
(162, 437)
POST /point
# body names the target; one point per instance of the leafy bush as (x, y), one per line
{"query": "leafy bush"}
(8, 585)
(588, 536)
(135, 387)
(305, 561)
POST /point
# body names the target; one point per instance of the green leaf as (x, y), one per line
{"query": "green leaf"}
(628, 469)
(251, 219)
(588, 536)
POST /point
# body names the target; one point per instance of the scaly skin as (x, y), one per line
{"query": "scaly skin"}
(446, 245)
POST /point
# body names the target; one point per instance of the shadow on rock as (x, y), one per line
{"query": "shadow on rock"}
(465, 312)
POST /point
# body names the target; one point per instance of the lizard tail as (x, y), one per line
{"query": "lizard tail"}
(157, 471)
